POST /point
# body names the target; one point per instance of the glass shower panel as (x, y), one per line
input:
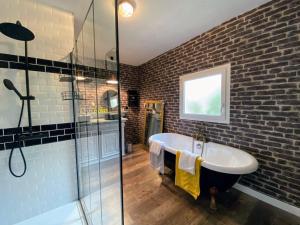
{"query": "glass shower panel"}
(81, 131)
(87, 133)
(94, 172)
(108, 105)
(97, 117)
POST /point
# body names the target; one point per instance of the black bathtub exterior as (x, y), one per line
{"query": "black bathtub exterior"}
(208, 178)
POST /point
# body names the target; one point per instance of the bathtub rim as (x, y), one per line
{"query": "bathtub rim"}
(247, 169)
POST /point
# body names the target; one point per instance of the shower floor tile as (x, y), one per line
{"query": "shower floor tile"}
(69, 214)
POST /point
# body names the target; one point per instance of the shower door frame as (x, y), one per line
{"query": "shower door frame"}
(119, 109)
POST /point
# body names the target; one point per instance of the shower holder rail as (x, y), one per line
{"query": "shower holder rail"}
(66, 78)
(70, 95)
(30, 136)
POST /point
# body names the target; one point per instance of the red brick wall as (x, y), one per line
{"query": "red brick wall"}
(89, 90)
(130, 80)
(262, 46)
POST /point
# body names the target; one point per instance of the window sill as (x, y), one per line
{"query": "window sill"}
(210, 119)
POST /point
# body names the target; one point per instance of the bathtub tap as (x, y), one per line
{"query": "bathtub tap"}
(199, 137)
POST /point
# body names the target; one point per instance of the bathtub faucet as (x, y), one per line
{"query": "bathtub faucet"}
(199, 136)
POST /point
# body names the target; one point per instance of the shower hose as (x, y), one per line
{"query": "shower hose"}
(20, 149)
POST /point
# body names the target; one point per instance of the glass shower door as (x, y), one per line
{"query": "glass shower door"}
(97, 116)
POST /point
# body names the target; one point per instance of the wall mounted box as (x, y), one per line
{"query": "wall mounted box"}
(133, 98)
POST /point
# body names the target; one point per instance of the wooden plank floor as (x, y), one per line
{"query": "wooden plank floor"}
(150, 199)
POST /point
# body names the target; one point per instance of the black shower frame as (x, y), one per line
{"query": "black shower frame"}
(119, 108)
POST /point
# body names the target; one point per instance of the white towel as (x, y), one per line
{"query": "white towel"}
(156, 154)
(155, 147)
(187, 162)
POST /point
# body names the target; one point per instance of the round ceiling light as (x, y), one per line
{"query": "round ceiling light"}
(126, 8)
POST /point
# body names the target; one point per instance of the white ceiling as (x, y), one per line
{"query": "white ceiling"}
(160, 25)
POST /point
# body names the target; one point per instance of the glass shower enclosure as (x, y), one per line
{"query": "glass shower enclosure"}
(74, 168)
(97, 116)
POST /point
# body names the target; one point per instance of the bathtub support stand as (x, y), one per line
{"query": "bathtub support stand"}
(213, 191)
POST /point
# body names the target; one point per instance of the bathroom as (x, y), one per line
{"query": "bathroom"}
(105, 81)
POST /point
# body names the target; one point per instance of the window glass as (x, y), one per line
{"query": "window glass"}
(203, 95)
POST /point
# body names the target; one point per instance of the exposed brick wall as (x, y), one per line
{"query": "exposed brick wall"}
(130, 80)
(263, 47)
(88, 90)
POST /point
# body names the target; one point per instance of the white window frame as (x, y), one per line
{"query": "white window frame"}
(225, 70)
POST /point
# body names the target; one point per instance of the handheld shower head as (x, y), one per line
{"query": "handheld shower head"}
(10, 86)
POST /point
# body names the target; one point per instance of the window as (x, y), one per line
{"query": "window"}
(205, 95)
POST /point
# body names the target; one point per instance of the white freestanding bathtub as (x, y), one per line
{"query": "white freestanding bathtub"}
(216, 157)
(221, 166)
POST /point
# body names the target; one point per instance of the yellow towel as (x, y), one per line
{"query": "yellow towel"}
(188, 182)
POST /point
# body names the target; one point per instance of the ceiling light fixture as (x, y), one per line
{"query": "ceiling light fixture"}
(113, 79)
(80, 78)
(126, 8)
(112, 82)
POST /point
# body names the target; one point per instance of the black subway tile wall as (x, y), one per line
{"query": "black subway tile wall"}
(64, 125)
(61, 64)
(65, 137)
(51, 69)
(49, 140)
(57, 132)
(8, 57)
(13, 65)
(9, 131)
(35, 64)
(52, 133)
(30, 60)
(33, 142)
(45, 62)
(33, 128)
(3, 64)
(48, 127)
(45, 65)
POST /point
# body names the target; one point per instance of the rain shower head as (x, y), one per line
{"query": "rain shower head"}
(16, 31)
(10, 86)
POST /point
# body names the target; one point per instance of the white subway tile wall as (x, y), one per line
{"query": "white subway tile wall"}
(50, 181)
(48, 106)
(53, 29)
